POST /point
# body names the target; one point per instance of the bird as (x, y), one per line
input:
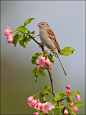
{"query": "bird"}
(48, 38)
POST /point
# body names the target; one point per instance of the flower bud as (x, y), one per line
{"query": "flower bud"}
(75, 109)
(78, 97)
(68, 86)
(65, 112)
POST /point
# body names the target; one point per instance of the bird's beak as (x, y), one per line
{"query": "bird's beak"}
(38, 25)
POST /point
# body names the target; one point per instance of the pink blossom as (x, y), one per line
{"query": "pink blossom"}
(71, 104)
(29, 103)
(46, 106)
(33, 102)
(7, 31)
(40, 104)
(35, 113)
(68, 86)
(65, 112)
(46, 112)
(40, 60)
(78, 97)
(10, 38)
(75, 109)
(67, 91)
(52, 107)
(47, 61)
(35, 107)
(30, 98)
(40, 109)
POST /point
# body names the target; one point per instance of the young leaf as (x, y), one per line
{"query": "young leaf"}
(42, 97)
(59, 96)
(33, 32)
(22, 43)
(52, 101)
(27, 40)
(76, 92)
(21, 36)
(57, 111)
(41, 72)
(21, 28)
(47, 90)
(67, 51)
(15, 39)
(79, 104)
(69, 100)
(28, 21)
(50, 57)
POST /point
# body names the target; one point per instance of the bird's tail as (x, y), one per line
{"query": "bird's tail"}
(57, 53)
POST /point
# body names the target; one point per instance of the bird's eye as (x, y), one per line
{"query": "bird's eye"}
(43, 24)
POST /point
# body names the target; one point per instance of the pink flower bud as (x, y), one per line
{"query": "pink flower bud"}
(10, 40)
(65, 112)
(78, 97)
(46, 112)
(71, 104)
(29, 99)
(68, 86)
(40, 104)
(35, 113)
(35, 107)
(47, 61)
(33, 102)
(67, 91)
(7, 31)
(52, 107)
(75, 109)
(40, 109)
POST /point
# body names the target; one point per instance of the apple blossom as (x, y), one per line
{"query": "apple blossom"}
(52, 107)
(35, 113)
(67, 91)
(78, 97)
(71, 104)
(47, 61)
(7, 31)
(30, 98)
(75, 109)
(66, 112)
(68, 86)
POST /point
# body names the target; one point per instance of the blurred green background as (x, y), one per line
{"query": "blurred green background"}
(67, 20)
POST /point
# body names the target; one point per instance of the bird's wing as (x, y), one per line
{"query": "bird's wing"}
(53, 38)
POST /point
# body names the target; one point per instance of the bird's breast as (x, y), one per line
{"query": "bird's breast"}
(46, 40)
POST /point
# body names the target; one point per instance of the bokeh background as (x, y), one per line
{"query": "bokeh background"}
(67, 20)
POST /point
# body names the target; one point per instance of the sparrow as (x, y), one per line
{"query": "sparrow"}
(49, 40)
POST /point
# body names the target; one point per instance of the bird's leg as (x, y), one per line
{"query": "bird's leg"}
(46, 51)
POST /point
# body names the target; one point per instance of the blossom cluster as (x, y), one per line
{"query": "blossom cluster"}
(9, 35)
(41, 61)
(39, 106)
(75, 109)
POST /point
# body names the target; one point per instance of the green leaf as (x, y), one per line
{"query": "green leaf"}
(27, 40)
(41, 72)
(21, 36)
(21, 28)
(69, 100)
(28, 32)
(15, 39)
(67, 51)
(52, 101)
(34, 57)
(76, 92)
(42, 97)
(28, 21)
(47, 90)
(22, 43)
(79, 104)
(57, 110)
(70, 111)
(33, 32)
(59, 96)
(38, 35)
